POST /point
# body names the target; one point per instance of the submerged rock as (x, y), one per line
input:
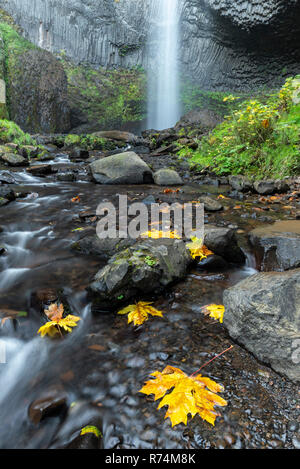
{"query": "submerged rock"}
(52, 403)
(167, 177)
(277, 246)
(146, 267)
(263, 314)
(123, 168)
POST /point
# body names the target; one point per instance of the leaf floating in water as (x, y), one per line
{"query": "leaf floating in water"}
(214, 311)
(198, 249)
(75, 199)
(190, 395)
(57, 323)
(139, 313)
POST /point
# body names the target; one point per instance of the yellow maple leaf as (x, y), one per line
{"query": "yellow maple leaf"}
(190, 395)
(215, 311)
(57, 323)
(139, 312)
(198, 249)
(158, 234)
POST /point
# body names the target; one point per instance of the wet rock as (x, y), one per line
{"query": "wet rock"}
(80, 416)
(126, 137)
(6, 178)
(30, 151)
(199, 117)
(277, 246)
(266, 187)
(123, 168)
(128, 273)
(240, 183)
(212, 263)
(7, 193)
(13, 159)
(223, 242)
(40, 170)
(103, 248)
(167, 177)
(79, 154)
(3, 201)
(211, 205)
(65, 176)
(270, 186)
(50, 404)
(263, 314)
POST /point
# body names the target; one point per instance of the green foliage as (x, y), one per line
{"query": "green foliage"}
(11, 133)
(90, 142)
(259, 139)
(193, 97)
(13, 45)
(108, 98)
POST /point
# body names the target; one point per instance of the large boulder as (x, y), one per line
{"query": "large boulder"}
(240, 183)
(263, 314)
(118, 135)
(147, 267)
(123, 168)
(277, 246)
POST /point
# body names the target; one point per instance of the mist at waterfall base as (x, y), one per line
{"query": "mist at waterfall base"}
(163, 78)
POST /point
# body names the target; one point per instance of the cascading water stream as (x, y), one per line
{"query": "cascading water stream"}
(163, 93)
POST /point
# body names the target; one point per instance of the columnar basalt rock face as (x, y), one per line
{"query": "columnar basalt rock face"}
(225, 44)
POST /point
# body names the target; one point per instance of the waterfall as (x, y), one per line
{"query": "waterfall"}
(163, 82)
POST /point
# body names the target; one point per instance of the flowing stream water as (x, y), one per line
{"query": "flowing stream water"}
(102, 365)
(164, 107)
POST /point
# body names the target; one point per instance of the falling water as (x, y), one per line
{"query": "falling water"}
(163, 96)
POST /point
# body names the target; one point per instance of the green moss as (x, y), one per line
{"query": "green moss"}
(107, 98)
(13, 45)
(11, 133)
(260, 138)
(90, 142)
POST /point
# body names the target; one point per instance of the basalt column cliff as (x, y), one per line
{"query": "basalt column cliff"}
(225, 44)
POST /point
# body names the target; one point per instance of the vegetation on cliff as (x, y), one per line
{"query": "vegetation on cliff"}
(260, 138)
(102, 99)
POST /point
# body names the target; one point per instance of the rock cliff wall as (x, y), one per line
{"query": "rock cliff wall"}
(225, 43)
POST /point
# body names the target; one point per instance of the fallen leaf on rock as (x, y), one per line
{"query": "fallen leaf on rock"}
(198, 249)
(157, 234)
(91, 429)
(190, 395)
(139, 312)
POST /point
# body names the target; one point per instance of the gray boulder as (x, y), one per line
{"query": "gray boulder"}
(211, 205)
(223, 242)
(123, 168)
(263, 314)
(277, 246)
(13, 159)
(147, 267)
(167, 177)
(270, 186)
(240, 183)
